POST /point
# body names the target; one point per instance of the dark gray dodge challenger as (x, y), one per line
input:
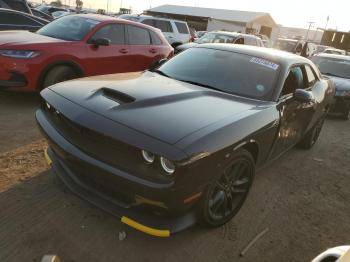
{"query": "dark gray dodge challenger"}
(180, 144)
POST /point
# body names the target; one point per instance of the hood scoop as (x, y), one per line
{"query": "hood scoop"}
(117, 96)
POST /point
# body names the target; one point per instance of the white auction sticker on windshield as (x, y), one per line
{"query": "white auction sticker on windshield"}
(264, 62)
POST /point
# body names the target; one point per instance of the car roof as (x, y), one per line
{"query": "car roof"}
(97, 17)
(334, 56)
(283, 58)
(232, 34)
(155, 17)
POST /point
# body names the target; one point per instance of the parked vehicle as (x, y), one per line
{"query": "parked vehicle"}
(166, 148)
(75, 46)
(334, 51)
(320, 48)
(201, 33)
(58, 14)
(334, 254)
(40, 14)
(223, 37)
(175, 31)
(337, 68)
(299, 47)
(15, 20)
(17, 5)
(49, 9)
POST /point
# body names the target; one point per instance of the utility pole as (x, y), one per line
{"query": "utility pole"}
(325, 28)
(107, 6)
(307, 34)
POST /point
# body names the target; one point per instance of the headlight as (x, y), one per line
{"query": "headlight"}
(19, 53)
(148, 156)
(342, 93)
(167, 165)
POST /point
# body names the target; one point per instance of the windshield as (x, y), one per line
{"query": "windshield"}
(288, 46)
(42, 8)
(216, 38)
(333, 66)
(70, 28)
(226, 71)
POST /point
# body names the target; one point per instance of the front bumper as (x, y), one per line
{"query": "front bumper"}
(18, 74)
(70, 163)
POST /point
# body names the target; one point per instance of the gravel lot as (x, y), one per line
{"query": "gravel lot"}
(303, 198)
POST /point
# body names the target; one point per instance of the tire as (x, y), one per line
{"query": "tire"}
(311, 136)
(59, 74)
(345, 115)
(225, 196)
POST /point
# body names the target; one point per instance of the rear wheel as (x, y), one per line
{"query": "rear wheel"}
(225, 196)
(311, 137)
(59, 74)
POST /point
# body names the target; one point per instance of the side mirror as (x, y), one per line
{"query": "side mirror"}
(101, 42)
(157, 64)
(302, 95)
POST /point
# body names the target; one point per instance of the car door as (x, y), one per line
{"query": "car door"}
(295, 116)
(114, 58)
(142, 52)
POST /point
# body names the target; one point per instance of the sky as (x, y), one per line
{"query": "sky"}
(295, 13)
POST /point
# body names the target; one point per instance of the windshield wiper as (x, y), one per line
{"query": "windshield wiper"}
(200, 84)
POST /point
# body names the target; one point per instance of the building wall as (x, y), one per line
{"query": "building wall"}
(300, 33)
(336, 39)
(214, 24)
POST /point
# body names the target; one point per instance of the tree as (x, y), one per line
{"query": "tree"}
(56, 3)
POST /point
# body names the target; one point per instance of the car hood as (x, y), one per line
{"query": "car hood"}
(186, 46)
(341, 84)
(24, 37)
(157, 106)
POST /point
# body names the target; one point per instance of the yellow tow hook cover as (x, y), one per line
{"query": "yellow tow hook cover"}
(145, 229)
(48, 159)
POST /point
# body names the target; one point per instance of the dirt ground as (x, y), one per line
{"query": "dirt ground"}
(303, 199)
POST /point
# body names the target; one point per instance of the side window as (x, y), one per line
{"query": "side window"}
(155, 38)
(181, 27)
(16, 19)
(115, 33)
(6, 18)
(295, 80)
(311, 78)
(239, 41)
(138, 36)
(163, 25)
(148, 22)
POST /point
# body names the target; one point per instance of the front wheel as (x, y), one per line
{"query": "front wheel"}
(225, 196)
(59, 74)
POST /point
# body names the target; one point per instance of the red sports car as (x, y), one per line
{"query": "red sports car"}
(75, 46)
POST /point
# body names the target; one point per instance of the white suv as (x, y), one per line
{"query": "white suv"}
(175, 31)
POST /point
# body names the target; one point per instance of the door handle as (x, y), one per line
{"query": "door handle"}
(153, 51)
(123, 51)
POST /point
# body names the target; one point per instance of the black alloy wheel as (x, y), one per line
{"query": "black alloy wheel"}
(227, 194)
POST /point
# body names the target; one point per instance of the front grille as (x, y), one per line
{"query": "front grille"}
(108, 150)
